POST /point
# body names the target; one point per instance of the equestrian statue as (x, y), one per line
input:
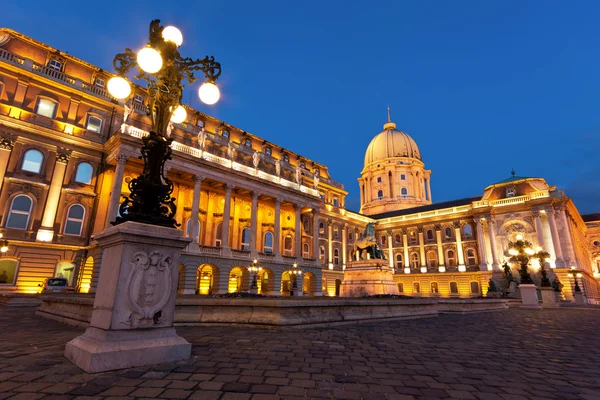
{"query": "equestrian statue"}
(366, 246)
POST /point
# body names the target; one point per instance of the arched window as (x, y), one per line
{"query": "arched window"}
(336, 232)
(32, 161)
(219, 235)
(403, 192)
(430, 235)
(468, 230)
(474, 287)
(321, 253)
(75, 217)
(84, 173)
(287, 245)
(225, 134)
(19, 212)
(380, 194)
(416, 287)
(321, 228)
(453, 287)
(450, 258)
(335, 202)
(268, 243)
(448, 233)
(398, 238)
(431, 259)
(400, 287)
(434, 288)
(305, 251)
(245, 245)
(414, 260)
(399, 263)
(350, 238)
(471, 259)
(383, 240)
(306, 225)
(412, 237)
(188, 228)
(336, 256)
(8, 271)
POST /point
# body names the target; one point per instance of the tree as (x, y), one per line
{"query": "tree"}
(521, 253)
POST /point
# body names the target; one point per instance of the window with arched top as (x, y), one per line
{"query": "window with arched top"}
(471, 259)
(416, 287)
(74, 222)
(403, 191)
(245, 239)
(453, 287)
(188, 229)
(414, 260)
(305, 251)
(448, 233)
(32, 161)
(434, 288)
(286, 158)
(321, 228)
(336, 232)
(383, 240)
(225, 134)
(336, 257)
(336, 203)
(268, 243)
(268, 151)
(321, 253)
(430, 235)
(450, 258)
(287, 245)
(431, 259)
(474, 287)
(380, 194)
(219, 235)
(19, 212)
(412, 237)
(398, 238)
(84, 173)
(399, 263)
(468, 230)
(306, 225)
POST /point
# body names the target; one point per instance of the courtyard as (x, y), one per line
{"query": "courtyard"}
(516, 354)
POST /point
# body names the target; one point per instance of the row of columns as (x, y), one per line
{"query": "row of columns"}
(440, 249)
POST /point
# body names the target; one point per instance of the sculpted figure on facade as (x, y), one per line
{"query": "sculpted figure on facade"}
(201, 139)
(230, 151)
(278, 167)
(127, 110)
(255, 159)
(298, 174)
(316, 179)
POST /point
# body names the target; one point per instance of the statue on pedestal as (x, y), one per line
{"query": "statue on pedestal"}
(368, 243)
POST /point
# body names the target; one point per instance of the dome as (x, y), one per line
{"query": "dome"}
(391, 143)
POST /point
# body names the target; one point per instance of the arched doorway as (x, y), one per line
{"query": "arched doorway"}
(265, 282)
(85, 280)
(309, 284)
(338, 283)
(206, 276)
(286, 284)
(237, 281)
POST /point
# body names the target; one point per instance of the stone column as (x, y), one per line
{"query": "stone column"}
(492, 234)
(298, 233)
(459, 248)
(391, 250)
(440, 248)
(481, 245)
(569, 254)
(539, 231)
(226, 220)
(277, 236)
(330, 243)
(46, 231)
(429, 189)
(115, 193)
(361, 183)
(195, 207)
(316, 234)
(6, 146)
(405, 245)
(344, 245)
(189, 283)
(253, 220)
(276, 288)
(422, 248)
(560, 262)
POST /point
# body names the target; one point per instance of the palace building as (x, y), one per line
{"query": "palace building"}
(68, 151)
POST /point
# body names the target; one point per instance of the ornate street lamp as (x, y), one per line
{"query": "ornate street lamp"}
(294, 273)
(163, 69)
(522, 252)
(3, 245)
(255, 268)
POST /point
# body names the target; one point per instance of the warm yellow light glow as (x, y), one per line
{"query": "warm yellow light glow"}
(179, 115)
(462, 268)
(69, 129)
(519, 237)
(15, 112)
(3, 249)
(423, 269)
(209, 93)
(118, 87)
(329, 207)
(407, 270)
(1, 236)
(44, 235)
(513, 252)
(85, 288)
(529, 251)
(149, 60)
(579, 275)
(442, 269)
(538, 249)
(172, 34)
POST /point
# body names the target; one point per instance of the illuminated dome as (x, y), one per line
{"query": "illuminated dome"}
(391, 143)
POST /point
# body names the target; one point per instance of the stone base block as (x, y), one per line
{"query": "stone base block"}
(98, 350)
(529, 297)
(579, 299)
(548, 298)
(367, 278)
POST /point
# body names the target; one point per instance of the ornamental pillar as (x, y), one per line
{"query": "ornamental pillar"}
(330, 243)
(391, 250)
(405, 246)
(298, 233)
(440, 248)
(560, 261)
(225, 243)
(569, 253)
(115, 192)
(344, 245)
(316, 234)
(46, 231)
(539, 230)
(481, 244)
(422, 248)
(277, 236)
(194, 227)
(493, 242)
(253, 219)
(459, 248)
(6, 146)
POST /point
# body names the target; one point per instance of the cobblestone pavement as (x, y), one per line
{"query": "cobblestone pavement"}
(550, 354)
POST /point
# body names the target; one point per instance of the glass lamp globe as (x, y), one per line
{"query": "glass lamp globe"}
(118, 87)
(179, 115)
(149, 60)
(209, 93)
(172, 34)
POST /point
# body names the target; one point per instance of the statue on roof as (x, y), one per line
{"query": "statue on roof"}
(255, 159)
(316, 179)
(278, 167)
(201, 138)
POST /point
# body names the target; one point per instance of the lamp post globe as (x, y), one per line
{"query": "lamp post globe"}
(209, 93)
(172, 34)
(179, 115)
(149, 60)
(118, 87)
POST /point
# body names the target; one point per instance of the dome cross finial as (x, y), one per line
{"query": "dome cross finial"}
(389, 125)
(389, 119)
(513, 171)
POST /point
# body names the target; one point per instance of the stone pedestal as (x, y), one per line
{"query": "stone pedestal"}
(134, 306)
(529, 297)
(368, 277)
(579, 299)
(548, 298)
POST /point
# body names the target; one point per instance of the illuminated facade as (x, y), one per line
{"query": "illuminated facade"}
(68, 151)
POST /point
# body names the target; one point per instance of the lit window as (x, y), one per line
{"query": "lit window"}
(321, 253)
(20, 210)
(434, 288)
(454, 287)
(403, 192)
(416, 287)
(379, 179)
(380, 194)
(100, 83)
(474, 287)
(471, 260)
(219, 235)
(415, 260)
(32, 161)
(305, 225)
(268, 151)
(336, 257)
(412, 237)
(321, 228)
(402, 177)
(55, 65)
(302, 165)
(450, 258)
(245, 239)
(93, 124)
(200, 123)
(268, 244)
(305, 251)
(398, 238)
(335, 202)
(188, 228)
(431, 259)
(225, 134)
(74, 223)
(430, 234)
(286, 158)
(336, 232)
(46, 108)
(448, 233)
(468, 230)
(511, 192)
(248, 143)
(8, 271)
(65, 270)
(84, 173)
(399, 263)
(287, 245)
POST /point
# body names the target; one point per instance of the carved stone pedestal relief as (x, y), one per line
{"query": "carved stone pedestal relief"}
(368, 277)
(529, 297)
(132, 319)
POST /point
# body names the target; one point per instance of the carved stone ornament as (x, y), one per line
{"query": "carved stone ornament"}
(148, 288)
(6, 143)
(62, 157)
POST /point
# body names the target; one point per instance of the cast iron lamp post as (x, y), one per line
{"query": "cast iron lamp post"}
(255, 268)
(522, 252)
(163, 69)
(294, 277)
(3, 245)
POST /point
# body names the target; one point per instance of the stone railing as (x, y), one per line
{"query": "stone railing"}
(211, 250)
(11, 58)
(240, 253)
(511, 200)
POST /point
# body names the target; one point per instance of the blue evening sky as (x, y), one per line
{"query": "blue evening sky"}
(482, 86)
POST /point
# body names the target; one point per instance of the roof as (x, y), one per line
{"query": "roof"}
(591, 217)
(513, 179)
(435, 206)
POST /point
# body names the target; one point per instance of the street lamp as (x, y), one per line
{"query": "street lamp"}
(294, 277)
(3, 245)
(163, 69)
(522, 252)
(255, 268)
(575, 276)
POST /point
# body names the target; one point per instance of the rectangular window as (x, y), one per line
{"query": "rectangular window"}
(46, 108)
(93, 124)
(100, 83)
(55, 65)
(8, 271)
(402, 177)
(379, 180)
(138, 99)
(248, 143)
